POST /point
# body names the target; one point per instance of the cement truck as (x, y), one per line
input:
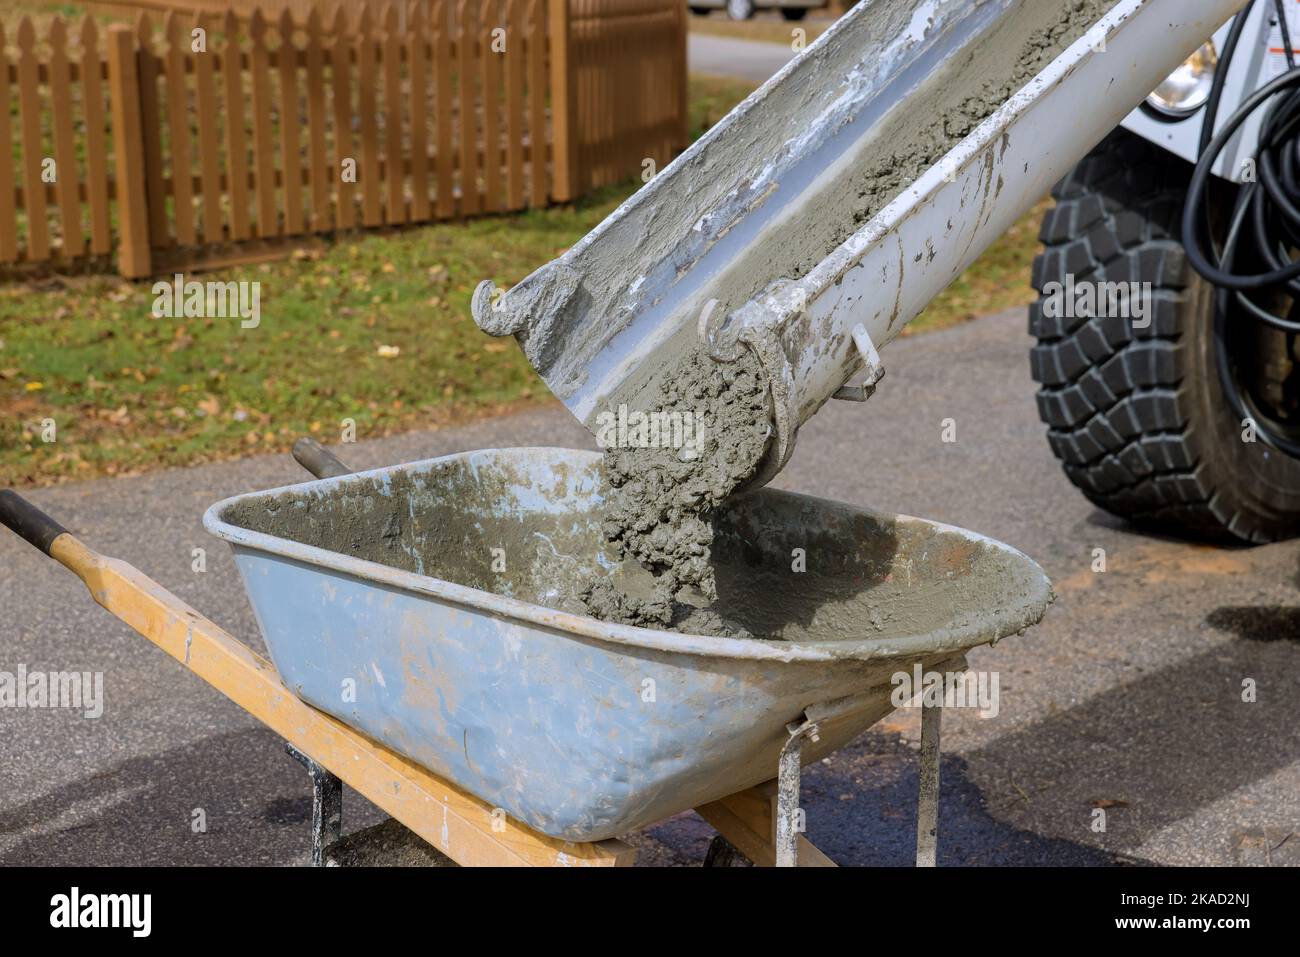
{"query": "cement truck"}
(827, 210)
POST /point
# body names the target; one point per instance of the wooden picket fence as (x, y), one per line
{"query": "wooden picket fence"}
(189, 149)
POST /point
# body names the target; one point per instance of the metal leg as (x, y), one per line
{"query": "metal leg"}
(787, 793)
(326, 805)
(927, 808)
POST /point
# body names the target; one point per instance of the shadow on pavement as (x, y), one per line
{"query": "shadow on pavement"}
(256, 800)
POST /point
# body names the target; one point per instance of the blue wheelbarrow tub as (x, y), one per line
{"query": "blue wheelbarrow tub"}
(382, 601)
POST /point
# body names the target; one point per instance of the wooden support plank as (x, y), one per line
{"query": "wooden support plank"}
(67, 175)
(371, 210)
(236, 138)
(515, 62)
(445, 157)
(467, 83)
(538, 180)
(178, 129)
(418, 48)
(455, 822)
(395, 194)
(345, 210)
(92, 105)
(263, 144)
(8, 210)
(130, 177)
(748, 820)
(38, 230)
(205, 102)
(492, 55)
(318, 164)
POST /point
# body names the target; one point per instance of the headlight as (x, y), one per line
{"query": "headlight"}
(1186, 89)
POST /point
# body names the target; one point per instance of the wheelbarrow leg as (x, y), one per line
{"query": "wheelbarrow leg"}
(326, 805)
(788, 812)
(927, 807)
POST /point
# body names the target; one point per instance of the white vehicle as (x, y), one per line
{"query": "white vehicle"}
(744, 9)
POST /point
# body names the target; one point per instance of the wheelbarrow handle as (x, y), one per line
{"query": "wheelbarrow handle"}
(27, 521)
(317, 459)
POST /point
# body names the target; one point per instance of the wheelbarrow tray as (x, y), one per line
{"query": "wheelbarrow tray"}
(428, 605)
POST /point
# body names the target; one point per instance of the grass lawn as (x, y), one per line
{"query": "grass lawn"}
(375, 328)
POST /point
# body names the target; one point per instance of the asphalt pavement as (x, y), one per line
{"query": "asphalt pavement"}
(727, 56)
(1127, 699)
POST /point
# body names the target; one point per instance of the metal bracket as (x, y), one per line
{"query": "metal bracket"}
(875, 371)
(326, 805)
(787, 790)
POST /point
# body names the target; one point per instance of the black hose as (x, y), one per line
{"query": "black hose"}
(1266, 212)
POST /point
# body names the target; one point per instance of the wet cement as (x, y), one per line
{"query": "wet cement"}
(661, 510)
(541, 512)
(662, 498)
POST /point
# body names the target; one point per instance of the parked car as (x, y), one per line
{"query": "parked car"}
(744, 9)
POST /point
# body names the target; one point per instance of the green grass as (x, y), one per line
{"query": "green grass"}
(128, 392)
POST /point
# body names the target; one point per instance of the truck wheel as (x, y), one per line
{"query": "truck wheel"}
(794, 14)
(700, 11)
(1137, 416)
(740, 9)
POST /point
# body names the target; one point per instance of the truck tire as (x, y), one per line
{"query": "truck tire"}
(1137, 417)
(794, 14)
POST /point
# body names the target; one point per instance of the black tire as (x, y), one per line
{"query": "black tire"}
(700, 11)
(1137, 416)
(794, 14)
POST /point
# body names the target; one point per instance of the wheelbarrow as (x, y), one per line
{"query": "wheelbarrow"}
(428, 651)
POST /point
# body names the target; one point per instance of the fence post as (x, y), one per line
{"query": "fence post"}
(564, 105)
(133, 259)
(682, 77)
